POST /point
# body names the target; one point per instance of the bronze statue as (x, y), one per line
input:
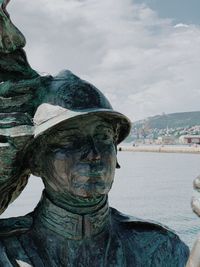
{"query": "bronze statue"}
(65, 131)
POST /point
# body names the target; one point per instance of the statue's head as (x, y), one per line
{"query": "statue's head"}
(76, 135)
(78, 156)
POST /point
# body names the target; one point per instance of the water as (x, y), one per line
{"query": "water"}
(154, 186)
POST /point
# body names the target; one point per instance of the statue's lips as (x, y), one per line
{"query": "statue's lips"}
(90, 183)
(89, 179)
(95, 175)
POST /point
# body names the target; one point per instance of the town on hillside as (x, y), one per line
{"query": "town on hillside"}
(167, 129)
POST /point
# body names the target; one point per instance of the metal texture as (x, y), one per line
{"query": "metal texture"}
(65, 131)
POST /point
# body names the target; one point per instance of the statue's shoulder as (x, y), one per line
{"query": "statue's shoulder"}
(150, 232)
(150, 238)
(136, 223)
(12, 250)
(15, 225)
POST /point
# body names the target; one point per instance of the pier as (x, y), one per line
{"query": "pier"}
(161, 149)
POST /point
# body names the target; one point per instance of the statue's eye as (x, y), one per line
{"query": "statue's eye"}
(104, 137)
(67, 144)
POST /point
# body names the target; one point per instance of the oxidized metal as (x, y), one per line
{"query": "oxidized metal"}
(65, 131)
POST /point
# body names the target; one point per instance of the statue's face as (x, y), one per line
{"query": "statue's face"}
(82, 156)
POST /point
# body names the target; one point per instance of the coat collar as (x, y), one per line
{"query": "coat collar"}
(71, 225)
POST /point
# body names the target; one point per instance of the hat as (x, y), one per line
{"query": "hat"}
(69, 97)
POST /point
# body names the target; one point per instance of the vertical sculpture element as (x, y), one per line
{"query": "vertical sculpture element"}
(11, 38)
(64, 130)
(18, 86)
(13, 62)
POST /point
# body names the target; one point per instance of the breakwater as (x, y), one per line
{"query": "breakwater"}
(161, 149)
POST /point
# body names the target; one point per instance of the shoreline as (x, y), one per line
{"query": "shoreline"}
(161, 149)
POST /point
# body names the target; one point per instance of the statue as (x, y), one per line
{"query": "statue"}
(65, 131)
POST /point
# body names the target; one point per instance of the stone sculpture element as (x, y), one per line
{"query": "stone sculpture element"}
(74, 151)
(21, 90)
(13, 62)
(71, 143)
(14, 122)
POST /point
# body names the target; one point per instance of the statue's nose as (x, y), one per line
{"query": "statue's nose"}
(92, 153)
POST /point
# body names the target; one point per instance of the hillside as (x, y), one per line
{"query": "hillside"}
(174, 120)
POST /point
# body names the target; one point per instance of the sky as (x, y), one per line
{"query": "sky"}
(143, 55)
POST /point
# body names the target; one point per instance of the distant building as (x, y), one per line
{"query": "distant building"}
(166, 140)
(189, 139)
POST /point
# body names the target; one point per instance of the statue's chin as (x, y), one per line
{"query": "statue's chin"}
(92, 190)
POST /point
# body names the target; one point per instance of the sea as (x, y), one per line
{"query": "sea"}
(150, 186)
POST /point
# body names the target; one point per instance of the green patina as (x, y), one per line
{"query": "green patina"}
(74, 153)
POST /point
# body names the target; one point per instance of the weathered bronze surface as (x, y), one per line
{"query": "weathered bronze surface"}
(65, 131)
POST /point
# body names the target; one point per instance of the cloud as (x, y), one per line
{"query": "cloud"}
(144, 64)
(180, 25)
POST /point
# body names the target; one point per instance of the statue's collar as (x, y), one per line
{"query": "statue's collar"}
(71, 225)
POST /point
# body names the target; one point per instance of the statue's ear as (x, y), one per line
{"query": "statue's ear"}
(117, 165)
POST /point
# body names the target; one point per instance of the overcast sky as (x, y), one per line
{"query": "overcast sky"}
(144, 55)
